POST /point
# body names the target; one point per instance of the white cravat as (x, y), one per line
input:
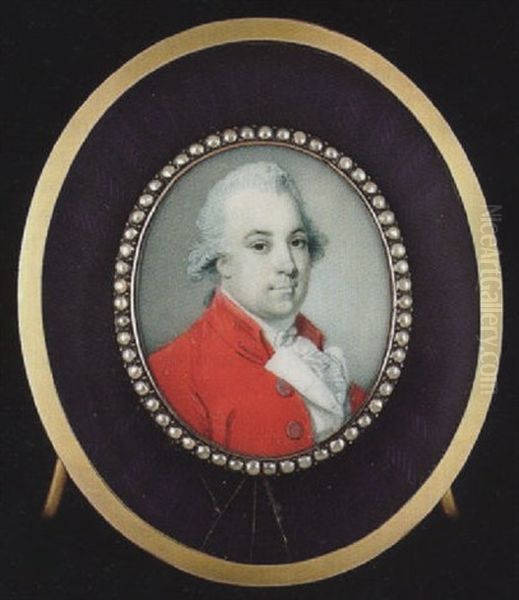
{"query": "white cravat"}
(320, 376)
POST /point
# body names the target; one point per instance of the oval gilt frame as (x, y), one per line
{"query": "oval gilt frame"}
(36, 356)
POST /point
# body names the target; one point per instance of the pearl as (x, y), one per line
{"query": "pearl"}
(130, 234)
(404, 284)
(141, 388)
(405, 302)
(402, 338)
(137, 216)
(125, 250)
(386, 217)
(146, 200)
(393, 372)
(398, 355)
(120, 286)
(401, 267)
(124, 338)
(135, 371)
(385, 389)
(229, 136)
(121, 267)
(405, 320)
(120, 303)
(397, 250)
(196, 149)
(352, 433)
(287, 466)
(345, 163)
(358, 175)
(376, 405)
(181, 160)
(188, 443)
(283, 135)
(304, 462)
(300, 138)
(236, 464)
(219, 459)
(393, 233)
(364, 421)
(379, 202)
(246, 133)
(321, 454)
(331, 153)
(370, 187)
(269, 468)
(265, 133)
(337, 445)
(168, 171)
(152, 404)
(155, 185)
(162, 419)
(316, 145)
(128, 355)
(203, 452)
(213, 141)
(253, 467)
(174, 432)
(122, 321)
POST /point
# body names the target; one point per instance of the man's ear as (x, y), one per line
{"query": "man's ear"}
(223, 266)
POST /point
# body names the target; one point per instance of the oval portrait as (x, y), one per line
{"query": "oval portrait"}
(263, 269)
(241, 317)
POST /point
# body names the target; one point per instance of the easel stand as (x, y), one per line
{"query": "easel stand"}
(59, 479)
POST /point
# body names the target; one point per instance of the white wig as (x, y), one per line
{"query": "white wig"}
(261, 176)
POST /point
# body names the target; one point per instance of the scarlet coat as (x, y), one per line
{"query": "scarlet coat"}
(214, 378)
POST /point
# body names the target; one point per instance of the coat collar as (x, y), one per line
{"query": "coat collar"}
(245, 335)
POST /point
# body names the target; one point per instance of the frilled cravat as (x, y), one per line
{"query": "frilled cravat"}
(321, 377)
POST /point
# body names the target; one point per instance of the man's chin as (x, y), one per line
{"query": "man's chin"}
(283, 309)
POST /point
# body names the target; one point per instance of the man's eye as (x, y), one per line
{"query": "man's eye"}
(299, 243)
(259, 246)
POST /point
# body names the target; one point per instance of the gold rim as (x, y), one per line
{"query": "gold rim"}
(31, 319)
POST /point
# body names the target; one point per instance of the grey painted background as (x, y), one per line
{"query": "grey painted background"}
(349, 297)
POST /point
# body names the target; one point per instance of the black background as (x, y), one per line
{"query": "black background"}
(464, 56)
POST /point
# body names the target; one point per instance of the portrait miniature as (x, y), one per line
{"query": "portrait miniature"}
(253, 374)
(209, 306)
(263, 300)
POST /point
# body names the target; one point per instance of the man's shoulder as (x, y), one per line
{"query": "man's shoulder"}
(187, 342)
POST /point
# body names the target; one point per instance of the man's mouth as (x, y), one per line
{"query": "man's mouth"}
(288, 287)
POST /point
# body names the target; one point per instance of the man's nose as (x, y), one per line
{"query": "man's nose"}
(284, 261)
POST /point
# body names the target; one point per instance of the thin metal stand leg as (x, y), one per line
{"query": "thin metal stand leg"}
(59, 479)
(449, 506)
(56, 488)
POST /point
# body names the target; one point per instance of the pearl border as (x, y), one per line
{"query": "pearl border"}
(125, 321)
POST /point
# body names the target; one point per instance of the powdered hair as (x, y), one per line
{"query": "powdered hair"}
(261, 176)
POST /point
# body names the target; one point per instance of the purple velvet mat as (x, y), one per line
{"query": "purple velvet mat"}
(343, 499)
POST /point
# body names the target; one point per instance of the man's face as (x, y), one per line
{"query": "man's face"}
(267, 264)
